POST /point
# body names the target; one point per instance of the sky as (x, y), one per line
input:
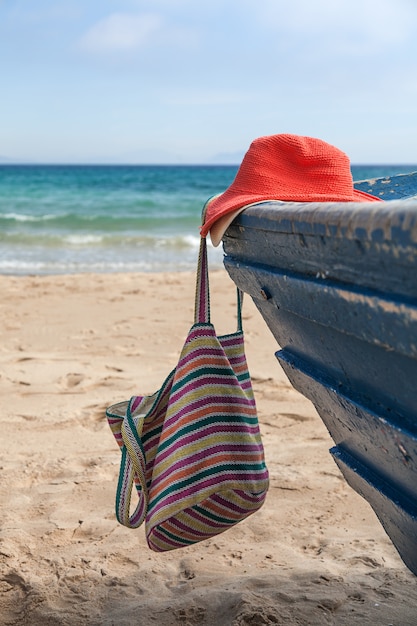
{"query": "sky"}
(184, 81)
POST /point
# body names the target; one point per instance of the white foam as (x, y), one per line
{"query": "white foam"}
(82, 240)
(19, 217)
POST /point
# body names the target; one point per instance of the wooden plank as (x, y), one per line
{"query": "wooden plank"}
(368, 350)
(336, 285)
(351, 244)
(384, 321)
(397, 515)
(384, 447)
(377, 458)
(390, 187)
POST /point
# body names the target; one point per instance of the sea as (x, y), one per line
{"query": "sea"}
(68, 219)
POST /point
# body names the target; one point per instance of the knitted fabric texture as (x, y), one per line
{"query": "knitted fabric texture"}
(290, 168)
(193, 450)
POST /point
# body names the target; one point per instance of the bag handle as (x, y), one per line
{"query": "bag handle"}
(202, 291)
(133, 460)
(132, 471)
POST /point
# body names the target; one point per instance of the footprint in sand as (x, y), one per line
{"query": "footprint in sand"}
(93, 417)
(72, 379)
(296, 417)
(252, 613)
(190, 614)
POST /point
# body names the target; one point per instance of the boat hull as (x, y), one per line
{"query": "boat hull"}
(336, 285)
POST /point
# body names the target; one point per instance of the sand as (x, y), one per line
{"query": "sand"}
(72, 345)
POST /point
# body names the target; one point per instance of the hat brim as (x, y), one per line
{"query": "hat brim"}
(218, 227)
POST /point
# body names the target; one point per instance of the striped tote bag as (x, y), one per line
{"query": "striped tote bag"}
(192, 451)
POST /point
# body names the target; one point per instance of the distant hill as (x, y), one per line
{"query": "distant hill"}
(146, 157)
(227, 158)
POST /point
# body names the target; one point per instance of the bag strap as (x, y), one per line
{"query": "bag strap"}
(132, 471)
(202, 291)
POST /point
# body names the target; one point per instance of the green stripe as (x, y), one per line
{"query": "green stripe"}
(176, 538)
(203, 370)
(211, 471)
(214, 421)
(215, 518)
(211, 456)
(210, 392)
(134, 430)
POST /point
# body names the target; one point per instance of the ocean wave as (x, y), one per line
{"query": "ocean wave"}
(97, 224)
(38, 264)
(70, 219)
(21, 217)
(82, 240)
(79, 253)
(178, 241)
(87, 240)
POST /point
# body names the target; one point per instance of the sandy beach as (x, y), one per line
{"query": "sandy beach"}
(72, 345)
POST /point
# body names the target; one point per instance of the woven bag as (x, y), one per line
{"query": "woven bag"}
(193, 449)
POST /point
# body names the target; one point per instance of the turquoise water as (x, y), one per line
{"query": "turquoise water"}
(69, 219)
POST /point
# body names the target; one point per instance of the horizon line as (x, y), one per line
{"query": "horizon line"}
(173, 164)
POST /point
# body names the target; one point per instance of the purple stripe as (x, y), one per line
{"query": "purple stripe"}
(170, 499)
(199, 352)
(209, 455)
(227, 505)
(199, 370)
(152, 437)
(114, 420)
(215, 350)
(204, 432)
(250, 497)
(136, 402)
(211, 401)
(207, 353)
(172, 521)
(119, 439)
(200, 518)
(201, 331)
(232, 340)
(209, 404)
(135, 518)
(201, 380)
(196, 385)
(165, 540)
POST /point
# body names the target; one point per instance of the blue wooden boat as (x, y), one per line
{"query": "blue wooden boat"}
(337, 286)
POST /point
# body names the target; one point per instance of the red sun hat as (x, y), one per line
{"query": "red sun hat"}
(288, 168)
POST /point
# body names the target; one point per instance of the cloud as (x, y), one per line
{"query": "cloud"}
(120, 32)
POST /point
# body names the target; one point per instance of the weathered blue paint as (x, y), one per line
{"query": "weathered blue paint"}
(337, 286)
(390, 187)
